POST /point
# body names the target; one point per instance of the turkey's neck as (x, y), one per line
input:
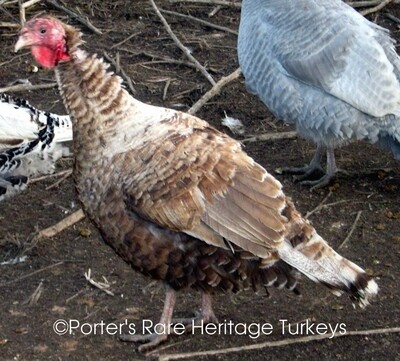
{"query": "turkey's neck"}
(96, 102)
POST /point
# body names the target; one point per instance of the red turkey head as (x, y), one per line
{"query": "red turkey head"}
(46, 38)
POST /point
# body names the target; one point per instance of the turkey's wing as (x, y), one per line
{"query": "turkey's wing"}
(202, 183)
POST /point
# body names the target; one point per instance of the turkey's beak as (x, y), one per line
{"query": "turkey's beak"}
(24, 41)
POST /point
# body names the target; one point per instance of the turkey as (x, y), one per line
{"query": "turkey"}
(31, 141)
(322, 66)
(178, 200)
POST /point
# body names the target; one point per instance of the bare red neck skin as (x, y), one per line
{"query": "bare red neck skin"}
(49, 58)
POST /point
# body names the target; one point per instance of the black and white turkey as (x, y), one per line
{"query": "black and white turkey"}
(31, 141)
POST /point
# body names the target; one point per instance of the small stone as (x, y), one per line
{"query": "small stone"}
(58, 309)
(41, 348)
(85, 232)
(21, 330)
(382, 174)
(334, 187)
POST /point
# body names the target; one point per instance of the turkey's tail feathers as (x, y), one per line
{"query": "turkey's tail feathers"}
(390, 143)
(319, 262)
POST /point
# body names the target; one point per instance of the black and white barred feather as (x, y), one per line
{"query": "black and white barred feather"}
(31, 141)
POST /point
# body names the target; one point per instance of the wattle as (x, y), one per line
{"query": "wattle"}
(48, 58)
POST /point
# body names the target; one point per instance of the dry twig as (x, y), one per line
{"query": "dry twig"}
(285, 342)
(24, 6)
(163, 59)
(214, 11)
(156, 352)
(32, 274)
(27, 87)
(100, 285)
(82, 20)
(5, 24)
(125, 40)
(69, 299)
(60, 226)
(13, 59)
(353, 227)
(236, 4)
(319, 207)
(67, 173)
(206, 23)
(365, 4)
(214, 91)
(59, 174)
(323, 206)
(376, 8)
(167, 84)
(181, 46)
(393, 18)
(34, 297)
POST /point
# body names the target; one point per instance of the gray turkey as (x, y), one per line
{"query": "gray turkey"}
(322, 66)
(178, 200)
(31, 141)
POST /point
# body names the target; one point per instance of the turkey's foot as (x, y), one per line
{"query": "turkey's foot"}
(168, 326)
(199, 319)
(177, 327)
(324, 180)
(318, 183)
(314, 167)
(203, 317)
(304, 173)
(161, 330)
(149, 341)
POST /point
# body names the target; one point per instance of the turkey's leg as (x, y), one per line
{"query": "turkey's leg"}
(308, 170)
(206, 314)
(315, 166)
(153, 339)
(331, 170)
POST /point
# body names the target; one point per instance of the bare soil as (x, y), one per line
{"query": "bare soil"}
(50, 283)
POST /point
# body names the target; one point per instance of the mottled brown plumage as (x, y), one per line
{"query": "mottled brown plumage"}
(177, 199)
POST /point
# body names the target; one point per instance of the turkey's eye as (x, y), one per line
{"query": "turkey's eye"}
(43, 30)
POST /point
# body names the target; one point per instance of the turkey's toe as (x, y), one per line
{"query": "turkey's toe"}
(318, 183)
(305, 171)
(149, 341)
(200, 318)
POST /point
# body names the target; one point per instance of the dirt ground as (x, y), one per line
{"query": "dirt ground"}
(50, 284)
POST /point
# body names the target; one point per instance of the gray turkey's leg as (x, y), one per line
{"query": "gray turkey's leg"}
(153, 339)
(306, 171)
(331, 170)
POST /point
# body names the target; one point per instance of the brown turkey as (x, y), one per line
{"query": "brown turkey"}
(178, 200)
